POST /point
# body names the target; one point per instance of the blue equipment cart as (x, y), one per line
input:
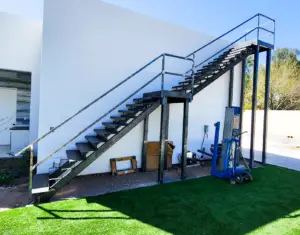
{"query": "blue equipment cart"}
(226, 158)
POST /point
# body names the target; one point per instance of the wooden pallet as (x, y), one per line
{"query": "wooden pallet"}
(113, 164)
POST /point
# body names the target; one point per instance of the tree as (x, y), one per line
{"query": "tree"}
(248, 82)
(285, 81)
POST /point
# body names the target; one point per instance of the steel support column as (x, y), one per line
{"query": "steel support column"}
(254, 104)
(242, 97)
(266, 105)
(230, 96)
(145, 142)
(163, 119)
(184, 138)
(167, 136)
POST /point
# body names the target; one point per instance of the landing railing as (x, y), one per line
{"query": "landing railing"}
(190, 73)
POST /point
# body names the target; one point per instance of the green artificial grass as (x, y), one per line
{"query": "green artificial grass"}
(268, 205)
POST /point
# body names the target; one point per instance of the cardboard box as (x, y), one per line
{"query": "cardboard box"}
(153, 149)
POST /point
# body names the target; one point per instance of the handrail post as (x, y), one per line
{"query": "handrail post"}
(163, 75)
(193, 75)
(30, 172)
(274, 33)
(258, 25)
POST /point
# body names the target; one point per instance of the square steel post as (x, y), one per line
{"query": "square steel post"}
(145, 142)
(230, 96)
(242, 97)
(254, 104)
(167, 136)
(184, 138)
(163, 119)
(266, 106)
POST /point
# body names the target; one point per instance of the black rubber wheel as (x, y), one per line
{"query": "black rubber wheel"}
(248, 177)
(239, 179)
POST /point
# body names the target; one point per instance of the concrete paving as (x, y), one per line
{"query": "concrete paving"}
(93, 185)
(283, 144)
(15, 196)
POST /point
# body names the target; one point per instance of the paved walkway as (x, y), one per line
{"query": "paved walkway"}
(93, 185)
(281, 150)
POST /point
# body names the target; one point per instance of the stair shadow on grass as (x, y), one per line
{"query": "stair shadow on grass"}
(209, 205)
(55, 214)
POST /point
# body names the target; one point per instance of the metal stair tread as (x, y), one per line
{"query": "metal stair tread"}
(74, 155)
(224, 61)
(216, 65)
(118, 118)
(144, 100)
(189, 82)
(104, 132)
(111, 125)
(40, 183)
(121, 120)
(96, 141)
(126, 111)
(136, 105)
(209, 69)
(59, 171)
(199, 77)
(85, 148)
(114, 127)
(185, 86)
(206, 73)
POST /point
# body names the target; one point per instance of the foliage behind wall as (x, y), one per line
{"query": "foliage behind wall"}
(285, 81)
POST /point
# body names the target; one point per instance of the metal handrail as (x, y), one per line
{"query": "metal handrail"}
(229, 31)
(99, 98)
(234, 42)
(87, 106)
(162, 74)
(267, 17)
(116, 106)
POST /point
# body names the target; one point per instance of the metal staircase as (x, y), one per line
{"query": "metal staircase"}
(137, 109)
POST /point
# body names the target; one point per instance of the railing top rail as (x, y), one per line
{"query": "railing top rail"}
(266, 17)
(209, 58)
(229, 31)
(224, 34)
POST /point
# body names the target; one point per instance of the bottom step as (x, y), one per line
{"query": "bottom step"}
(40, 183)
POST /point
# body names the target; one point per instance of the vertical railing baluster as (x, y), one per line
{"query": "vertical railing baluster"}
(258, 25)
(274, 33)
(193, 75)
(163, 75)
(30, 171)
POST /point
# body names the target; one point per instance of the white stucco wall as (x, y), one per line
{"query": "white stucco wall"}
(281, 150)
(20, 46)
(90, 47)
(8, 107)
(19, 140)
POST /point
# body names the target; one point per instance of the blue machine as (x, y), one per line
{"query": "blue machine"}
(226, 157)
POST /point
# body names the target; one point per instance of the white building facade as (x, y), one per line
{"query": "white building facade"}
(82, 50)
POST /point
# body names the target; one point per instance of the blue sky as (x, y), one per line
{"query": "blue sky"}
(210, 16)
